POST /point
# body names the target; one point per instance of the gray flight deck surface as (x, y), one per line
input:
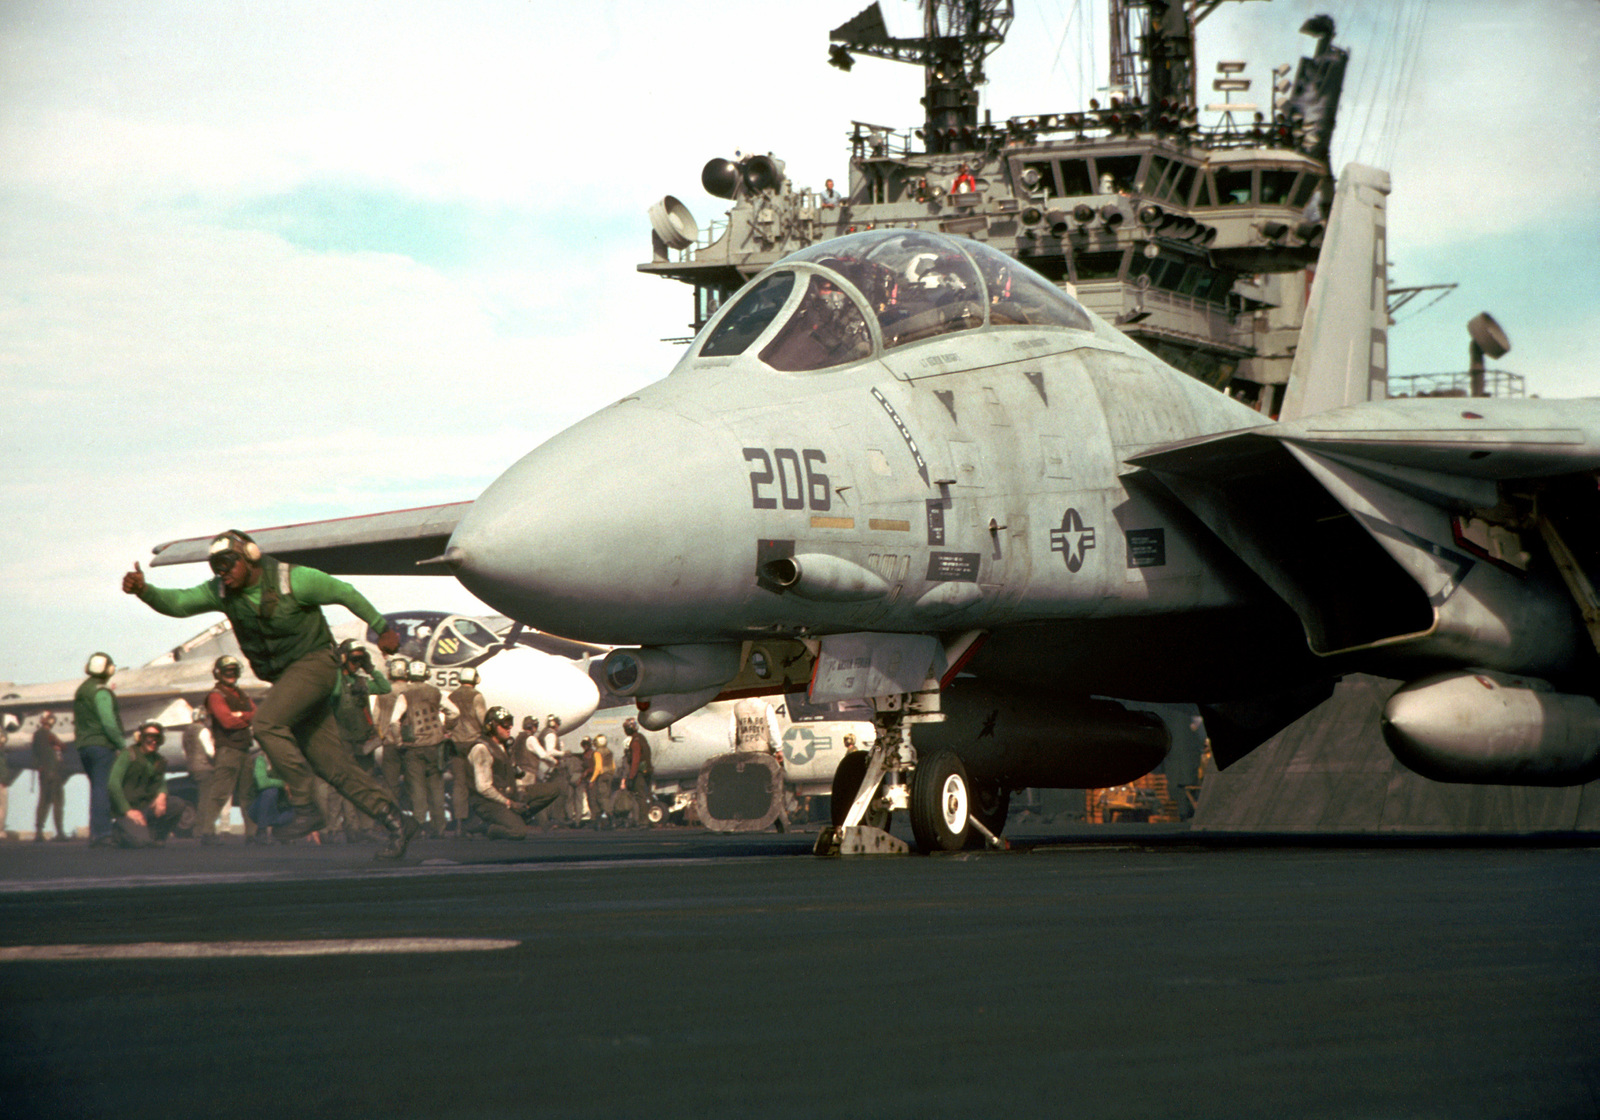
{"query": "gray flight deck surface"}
(1119, 971)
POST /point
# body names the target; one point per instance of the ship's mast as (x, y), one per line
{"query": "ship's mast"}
(957, 35)
(1152, 56)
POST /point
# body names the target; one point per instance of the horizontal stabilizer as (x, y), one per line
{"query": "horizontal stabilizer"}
(374, 544)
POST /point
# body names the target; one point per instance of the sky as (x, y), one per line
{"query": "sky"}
(275, 261)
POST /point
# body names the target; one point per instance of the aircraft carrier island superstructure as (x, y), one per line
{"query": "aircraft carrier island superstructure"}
(1194, 239)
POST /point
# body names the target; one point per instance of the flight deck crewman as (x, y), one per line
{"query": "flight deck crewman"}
(496, 807)
(359, 681)
(229, 712)
(276, 612)
(752, 726)
(98, 736)
(390, 766)
(138, 790)
(601, 775)
(50, 765)
(637, 778)
(420, 714)
(471, 708)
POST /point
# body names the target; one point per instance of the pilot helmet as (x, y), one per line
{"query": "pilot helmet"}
(100, 665)
(417, 670)
(469, 675)
(498, 716)
(152, 727)
(226, 666)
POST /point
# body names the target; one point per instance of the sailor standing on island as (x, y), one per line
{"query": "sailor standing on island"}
(276, 612)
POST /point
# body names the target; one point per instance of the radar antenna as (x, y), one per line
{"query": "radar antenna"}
(957, 36)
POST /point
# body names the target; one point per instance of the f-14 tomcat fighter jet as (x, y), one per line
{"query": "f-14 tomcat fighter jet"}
(900, 465)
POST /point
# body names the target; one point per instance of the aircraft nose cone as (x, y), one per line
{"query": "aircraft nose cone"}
(614, 531)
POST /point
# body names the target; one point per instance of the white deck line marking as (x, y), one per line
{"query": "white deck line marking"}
(193, 950)
(310, 874)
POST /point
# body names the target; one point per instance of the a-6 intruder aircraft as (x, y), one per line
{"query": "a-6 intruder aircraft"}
(901, 465)
(810, 742)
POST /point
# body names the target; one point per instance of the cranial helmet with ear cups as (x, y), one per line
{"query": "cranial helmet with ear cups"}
(230, 546)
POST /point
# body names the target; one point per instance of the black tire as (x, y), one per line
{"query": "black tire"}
(941, 801)
(846, 784)
(991, 803)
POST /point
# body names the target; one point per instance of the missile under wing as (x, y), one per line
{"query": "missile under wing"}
(902, 466)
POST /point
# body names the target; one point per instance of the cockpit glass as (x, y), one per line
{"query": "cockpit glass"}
(919, 286)
(414, 629)
(461, 640)
(1019, 297)
(827, 329)
(751, 314)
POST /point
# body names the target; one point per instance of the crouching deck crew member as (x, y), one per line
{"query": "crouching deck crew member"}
(496, 807)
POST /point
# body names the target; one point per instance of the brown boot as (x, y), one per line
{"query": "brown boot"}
(400, 829)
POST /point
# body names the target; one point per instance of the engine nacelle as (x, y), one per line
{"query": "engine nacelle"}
(1021, 738)
(1493, 728)
(659, 669)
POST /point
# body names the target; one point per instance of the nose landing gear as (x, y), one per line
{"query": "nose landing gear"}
(948, 810)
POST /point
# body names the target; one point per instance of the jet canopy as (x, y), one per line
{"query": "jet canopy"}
(844, 300)
(442, 640)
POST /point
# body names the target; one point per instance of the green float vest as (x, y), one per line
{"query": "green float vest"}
(280, 630)
(86, 721)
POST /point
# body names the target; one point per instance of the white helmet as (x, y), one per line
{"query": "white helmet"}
(397, 667)
(100, 665)
(469, 675)
(418, 670)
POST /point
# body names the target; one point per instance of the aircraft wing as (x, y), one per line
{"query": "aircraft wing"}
(1365, 519)
(374, 544)
(1489, 439)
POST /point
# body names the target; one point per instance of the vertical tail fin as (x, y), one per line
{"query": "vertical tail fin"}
(1343, 355)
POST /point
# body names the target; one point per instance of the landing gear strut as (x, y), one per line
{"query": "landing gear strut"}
(948, 810)
(867, 787)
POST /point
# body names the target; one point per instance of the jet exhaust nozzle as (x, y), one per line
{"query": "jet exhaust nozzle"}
(671, 669)
(1490, 727)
